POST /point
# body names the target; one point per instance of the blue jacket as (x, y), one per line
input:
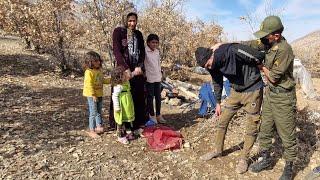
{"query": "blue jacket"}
(207, 97)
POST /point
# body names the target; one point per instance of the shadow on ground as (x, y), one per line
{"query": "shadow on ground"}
(41, 120)
(23, 65)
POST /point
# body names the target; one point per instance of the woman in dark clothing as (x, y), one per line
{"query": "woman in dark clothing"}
(129, 52)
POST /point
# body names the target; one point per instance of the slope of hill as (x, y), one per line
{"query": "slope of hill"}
(43, 115)
(307, 49)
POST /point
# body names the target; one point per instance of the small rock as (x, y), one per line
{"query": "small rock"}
(186, 145)
(76, 155)
(231, 164)
(161, 175)
(79, 151)
(166, 100)
(175, 102)
(91, 174)
(71, 150)
(42, 165)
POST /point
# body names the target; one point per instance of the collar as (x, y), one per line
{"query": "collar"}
(149, 50)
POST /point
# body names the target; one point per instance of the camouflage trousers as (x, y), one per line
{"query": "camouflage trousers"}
(278, 114)
(251, 103)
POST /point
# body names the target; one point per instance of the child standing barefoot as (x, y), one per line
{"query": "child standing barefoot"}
(123, 104)
(154, 75)
(93, 90)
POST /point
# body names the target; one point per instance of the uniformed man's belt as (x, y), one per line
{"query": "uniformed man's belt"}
(279, 89)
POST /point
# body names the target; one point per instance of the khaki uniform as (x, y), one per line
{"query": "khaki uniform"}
(251, 103)
(279, 103)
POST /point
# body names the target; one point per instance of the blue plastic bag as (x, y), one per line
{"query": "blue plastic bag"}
(150, 122)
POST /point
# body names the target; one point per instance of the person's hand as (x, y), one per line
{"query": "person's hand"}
(137, 71)
(218, 110)
(128, 71)
(216, 46)
(94, 98)
(260, 66)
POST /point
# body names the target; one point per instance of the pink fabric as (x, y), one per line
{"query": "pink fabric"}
(162, 138)
(152, 65)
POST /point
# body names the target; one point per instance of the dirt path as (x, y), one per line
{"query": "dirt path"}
(43, 117)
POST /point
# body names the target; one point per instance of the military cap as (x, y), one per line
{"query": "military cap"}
(269, 25)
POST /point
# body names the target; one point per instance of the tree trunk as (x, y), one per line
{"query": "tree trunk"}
(28, 42)
(61, 53)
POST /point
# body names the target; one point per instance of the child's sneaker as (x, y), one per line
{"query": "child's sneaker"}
(99, 130)
(130, 136)
(123, 140)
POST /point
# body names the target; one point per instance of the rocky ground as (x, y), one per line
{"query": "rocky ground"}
(43, 118)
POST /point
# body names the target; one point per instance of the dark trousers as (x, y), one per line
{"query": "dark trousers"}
(137, 84)
(154, 90)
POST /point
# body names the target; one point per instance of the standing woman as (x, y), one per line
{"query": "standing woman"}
(129, 52)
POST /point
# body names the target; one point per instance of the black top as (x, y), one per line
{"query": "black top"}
(238, 63)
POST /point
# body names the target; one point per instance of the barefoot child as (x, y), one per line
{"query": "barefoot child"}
(123, 104)
(93, 90)
(154, 76)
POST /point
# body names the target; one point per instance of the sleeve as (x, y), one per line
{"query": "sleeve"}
(88, 81)
(249, 55)
(142, 51)
(281, 64)
(107, 80)
(256, 44)
(117, 46)
(217, 81)
(115, 97)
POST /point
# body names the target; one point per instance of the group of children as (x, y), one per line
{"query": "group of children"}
(122, 99)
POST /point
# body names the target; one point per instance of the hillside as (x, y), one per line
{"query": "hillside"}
(307, 49)
(43, 118)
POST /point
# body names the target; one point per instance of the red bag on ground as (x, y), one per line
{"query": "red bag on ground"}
(161, 138)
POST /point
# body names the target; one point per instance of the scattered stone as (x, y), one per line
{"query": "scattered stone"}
(186, 145)
(76, 155)
(71, 150)
(175, 102)
(91, 174)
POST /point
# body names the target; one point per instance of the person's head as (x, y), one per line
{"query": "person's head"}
(131, 20)
(204, 57)
(153, 41)
(119, 75)
(270, 30)
(92, 60)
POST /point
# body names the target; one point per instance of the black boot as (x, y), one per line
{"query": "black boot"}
(287, 173)
(264, 164)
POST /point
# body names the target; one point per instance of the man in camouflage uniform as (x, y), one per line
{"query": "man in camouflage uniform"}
(279, 103)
